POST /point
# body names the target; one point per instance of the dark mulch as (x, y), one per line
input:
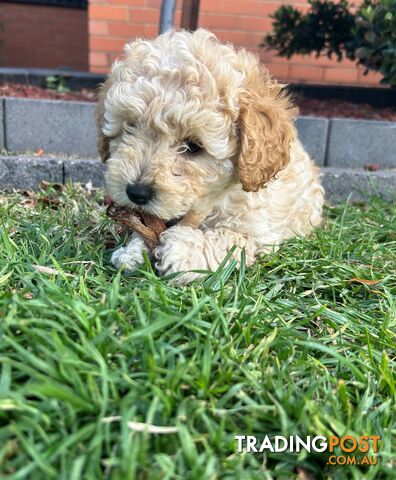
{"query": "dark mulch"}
(308, 106)
(342, 108)
(30, 91)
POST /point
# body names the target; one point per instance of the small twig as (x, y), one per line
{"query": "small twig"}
(147, 226)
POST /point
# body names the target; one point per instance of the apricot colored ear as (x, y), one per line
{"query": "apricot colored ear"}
(266, 130)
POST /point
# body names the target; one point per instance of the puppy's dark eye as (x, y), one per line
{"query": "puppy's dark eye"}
(129, 126)
(192, 147)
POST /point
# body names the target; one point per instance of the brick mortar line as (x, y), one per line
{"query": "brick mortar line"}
(131, 25)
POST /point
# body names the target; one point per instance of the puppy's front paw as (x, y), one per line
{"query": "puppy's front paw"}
(121, 258)
(131, 256)
(180, 250)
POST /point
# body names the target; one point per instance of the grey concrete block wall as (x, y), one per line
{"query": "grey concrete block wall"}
(55, 126)
(355, 143)
(26, 172)
(312, 132)
(69, 128)
(84, 171)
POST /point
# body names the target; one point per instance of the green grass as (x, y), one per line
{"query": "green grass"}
(288, 346)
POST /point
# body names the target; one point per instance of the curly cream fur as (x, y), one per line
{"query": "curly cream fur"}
(252, 185)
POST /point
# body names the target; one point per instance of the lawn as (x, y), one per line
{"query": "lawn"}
(302, 343)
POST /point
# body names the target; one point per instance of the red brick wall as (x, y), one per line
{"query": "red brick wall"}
(243, 22)
(43, 37)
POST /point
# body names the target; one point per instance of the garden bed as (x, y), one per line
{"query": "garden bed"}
(335, 108)
(31, 91)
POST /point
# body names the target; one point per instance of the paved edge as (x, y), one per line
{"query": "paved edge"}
(25, 173)
(341, 184)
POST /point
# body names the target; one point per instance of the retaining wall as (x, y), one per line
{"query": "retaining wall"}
(342, 146)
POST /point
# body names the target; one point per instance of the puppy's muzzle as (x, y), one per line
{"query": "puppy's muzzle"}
(139, 193)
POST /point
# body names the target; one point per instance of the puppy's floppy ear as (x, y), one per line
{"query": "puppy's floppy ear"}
(266, 129)
(103, 141)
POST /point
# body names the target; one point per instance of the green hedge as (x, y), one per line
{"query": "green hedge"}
(366, 35)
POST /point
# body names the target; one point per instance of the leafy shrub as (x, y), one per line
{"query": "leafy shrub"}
(57, 83)
(374, 38)
(367, 35)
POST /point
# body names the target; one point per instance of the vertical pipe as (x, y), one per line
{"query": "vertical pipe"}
(190, 13)
(167, 15)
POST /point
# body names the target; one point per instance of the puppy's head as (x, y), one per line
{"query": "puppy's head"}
(183, 118)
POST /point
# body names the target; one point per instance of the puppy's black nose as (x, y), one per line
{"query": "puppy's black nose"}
(139, 193)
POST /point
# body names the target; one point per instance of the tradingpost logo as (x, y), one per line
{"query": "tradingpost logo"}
(350, 450)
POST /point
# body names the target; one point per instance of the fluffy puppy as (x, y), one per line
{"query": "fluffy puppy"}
(191, 128)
